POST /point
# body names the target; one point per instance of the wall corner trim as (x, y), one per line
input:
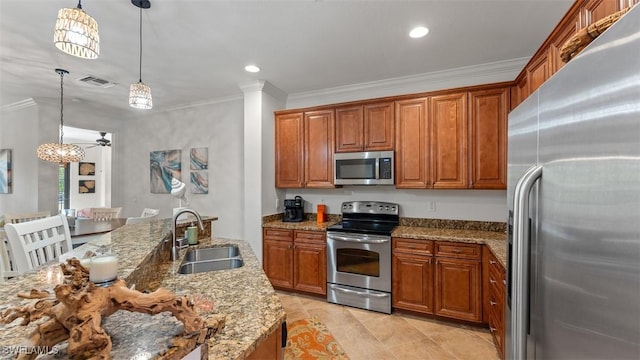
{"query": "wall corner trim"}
(18, 105)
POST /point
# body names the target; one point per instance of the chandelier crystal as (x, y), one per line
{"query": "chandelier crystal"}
(76, 33)
(139, 93)
(61, 153)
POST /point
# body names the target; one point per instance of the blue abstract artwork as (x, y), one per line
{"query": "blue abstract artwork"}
(199, 158)
(199, 182)
(5, 171)
(164, 165)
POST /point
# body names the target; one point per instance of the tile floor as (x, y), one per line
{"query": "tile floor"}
(369, 335)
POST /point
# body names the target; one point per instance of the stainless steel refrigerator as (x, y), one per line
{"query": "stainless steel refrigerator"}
(573, 288)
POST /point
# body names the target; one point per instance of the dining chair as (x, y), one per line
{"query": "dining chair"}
(103, 214)
(7, 264)
(36, 242)
(18, 218)
(147, 212)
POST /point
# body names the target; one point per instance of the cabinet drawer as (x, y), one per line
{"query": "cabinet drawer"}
(497, 332)
(458, 250)
(413, 246)
(496, 305)
(277, 234)
(309, 237)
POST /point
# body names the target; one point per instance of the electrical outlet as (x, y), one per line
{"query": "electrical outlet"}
(431, 206)
(277, 203)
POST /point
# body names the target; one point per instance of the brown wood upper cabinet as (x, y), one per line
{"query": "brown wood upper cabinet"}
(488, 111)
(318, 149)
(289, 150)
(304, 143)
(368, 127)
(449, 140)
(431, 150)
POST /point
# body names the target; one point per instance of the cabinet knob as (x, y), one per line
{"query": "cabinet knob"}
(492, 262)
(492, 329)
(492, 303)
(457, 251)
(492, 281)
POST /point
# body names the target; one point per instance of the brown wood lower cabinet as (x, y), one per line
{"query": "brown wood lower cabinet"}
(495, 290)
(438, 277)
(270, 348)
(412, 275)
(295, 259)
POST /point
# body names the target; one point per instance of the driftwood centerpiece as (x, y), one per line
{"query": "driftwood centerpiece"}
(77, 308)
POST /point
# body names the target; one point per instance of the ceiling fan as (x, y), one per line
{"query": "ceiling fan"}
(102, 141)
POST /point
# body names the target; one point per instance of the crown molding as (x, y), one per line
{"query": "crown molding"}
(22, 104)
(264, 86)
(498, 71)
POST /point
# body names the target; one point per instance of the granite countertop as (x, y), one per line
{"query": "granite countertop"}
(496, 241)
(244, 295)
(488, 233)
(310, 225)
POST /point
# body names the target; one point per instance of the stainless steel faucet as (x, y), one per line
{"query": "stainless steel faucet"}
(175, 248)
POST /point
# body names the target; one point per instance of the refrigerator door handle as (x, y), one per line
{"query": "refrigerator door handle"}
(520, 270)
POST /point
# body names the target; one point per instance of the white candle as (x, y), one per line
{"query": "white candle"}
(103, 268)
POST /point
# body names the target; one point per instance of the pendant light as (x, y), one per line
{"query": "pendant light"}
(76, 33)
(139, 93)
(61, 153)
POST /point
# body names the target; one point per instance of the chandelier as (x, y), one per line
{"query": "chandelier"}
(140, 93)
(60, 153)
(76, 33)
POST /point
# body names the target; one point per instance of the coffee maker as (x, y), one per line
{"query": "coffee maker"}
(293, 209)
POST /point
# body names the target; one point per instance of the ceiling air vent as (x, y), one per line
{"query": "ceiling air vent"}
(95, 81)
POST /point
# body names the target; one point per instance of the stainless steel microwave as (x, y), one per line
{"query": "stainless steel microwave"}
(363, 168)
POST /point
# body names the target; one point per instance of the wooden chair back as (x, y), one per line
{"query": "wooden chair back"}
(36, 242)
(18, 218)
(147, 212)
(103, 214)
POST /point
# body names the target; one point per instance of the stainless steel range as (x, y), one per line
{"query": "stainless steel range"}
(359, 255)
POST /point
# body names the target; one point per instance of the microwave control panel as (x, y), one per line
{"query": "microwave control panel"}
(385, 168)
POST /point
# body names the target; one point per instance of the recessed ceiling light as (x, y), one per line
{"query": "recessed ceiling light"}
(252, 68)
(418, 32)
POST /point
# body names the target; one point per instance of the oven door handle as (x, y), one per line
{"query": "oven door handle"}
(357, 240)
(360, 293)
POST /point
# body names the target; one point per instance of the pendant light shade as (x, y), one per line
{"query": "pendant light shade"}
(140, 93)
(60, 153)
(140, 96)
(76, 33)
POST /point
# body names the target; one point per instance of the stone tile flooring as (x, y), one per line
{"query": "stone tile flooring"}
(369, 335)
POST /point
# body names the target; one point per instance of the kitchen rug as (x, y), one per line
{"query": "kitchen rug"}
(309, 339)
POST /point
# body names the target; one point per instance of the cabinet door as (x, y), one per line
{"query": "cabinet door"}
(289, 150)
(594, 10)
(538, 72)
(278, 262)
(412, 139)
(560, 38)
(458, 291)
(379, 127)
(319, 148)
(310, 270)
(412, 282)
(449, 140)
(488, 119)
(349, 129)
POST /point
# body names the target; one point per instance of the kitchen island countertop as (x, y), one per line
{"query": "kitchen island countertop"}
(244, 295)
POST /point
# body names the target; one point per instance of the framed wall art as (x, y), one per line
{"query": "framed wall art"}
(86, 186)
(5, 171)
(199, 158)
(199, 182)
(164, 165)
(86, 168)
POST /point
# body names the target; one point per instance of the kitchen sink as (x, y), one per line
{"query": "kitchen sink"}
(211, 259)
(212, 253)
(195, 267)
